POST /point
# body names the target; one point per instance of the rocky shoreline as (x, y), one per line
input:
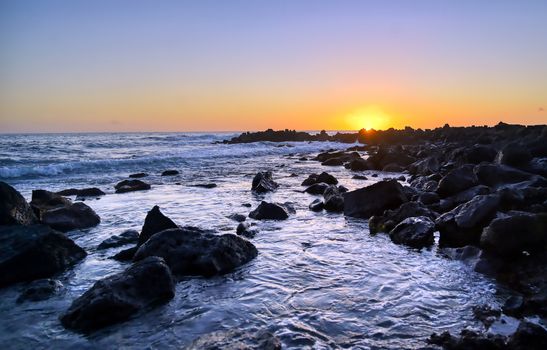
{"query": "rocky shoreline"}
(482, 191)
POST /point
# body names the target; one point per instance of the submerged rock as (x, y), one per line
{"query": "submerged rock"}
(40, 290)
(416, 232)
(138, 175)
(237, 217)
(170, 173)
(85, 192)
(116, 298)
(317, 205)
(131, 186)
(390, 218)
(333, 198)
(263, 182)
(236, 340)
(192, 251)
(126, 237)
(32, 252)
(374, 199)
(269, 211)
(206, 185)
(154, 222)
(244, 229)
(14, 209)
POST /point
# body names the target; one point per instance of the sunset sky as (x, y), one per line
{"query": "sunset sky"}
(249, 65)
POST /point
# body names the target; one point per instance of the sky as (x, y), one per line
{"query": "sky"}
(250, 65)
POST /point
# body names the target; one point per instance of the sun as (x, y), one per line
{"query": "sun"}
(368, 118)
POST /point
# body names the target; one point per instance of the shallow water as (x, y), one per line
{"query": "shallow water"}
(320, 280)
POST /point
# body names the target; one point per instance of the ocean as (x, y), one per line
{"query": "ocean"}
(320, 281)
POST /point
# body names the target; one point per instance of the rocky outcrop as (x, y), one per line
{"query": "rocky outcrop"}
(154, 222)
(131, 186)
(116, 298)
(193, 251)
(269, 211)
(126, 237)
(374, 199)
(14, 209)
(263, 182)
(32, 252)
(416, 232)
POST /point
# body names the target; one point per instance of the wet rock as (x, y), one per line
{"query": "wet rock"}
(170, 173)
(237, 217)
(468, 340)
(154, 222)
(374, 199)
(14, 209)
(426, 166)
(359, 164)
(317, 205)
(327, 178)
(85, 192)
(513, 234)
(359, 177)
(244, 229)
(32, 252)
(513, 305)
(131, 186)
(43, 200)
(513, 154)
(416, 232)
(192, 251)
(390, 218)
(429, 198)
(393, 168)
(40, 290)
(333, 199)
(71, 217)
(462, 197)
(495, 174)
(478, 259)
(138, 175)
(269, 211)
(486, 314)
(126, 237)
(125, 255)
(263, 182)
(236, 340)
(457, 180)
(207, 185)
(529, 336)
(480, 153)
(317, 188)
(116, 298)
(334, 161)
(312, 179)
(395, 157)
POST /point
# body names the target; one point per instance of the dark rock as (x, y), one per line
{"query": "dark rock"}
(480, 153)
(334, 161)
(131, 185)
(486, 314)
(390, 218)
(237, 217)
(244, 229)
(317, 205)
(71, 217)
(14, 209)
(468, 340)
(374, 199)
(416, 232)
(513, 154)
(125, 255)
(513, 305)
(359, 164)
(40, 290)
(342, 189)
(462, 197)
(192, 251)
(209, 185)
(126, 237)
(170, 173)
(393, 168)
(116, 298)
(397, 157)
(359, 177)
(32, 252)
(401, 178)
(85, 192)
(138, 175)
(457, 180)
(478, 259)
(327, 178)
(427, 166)
(269, 211)
(43, 200)
(154, 222)
(429, 198)
(494, 174)
(247, 205)
(333, 199)
(236, 340)
(312, 179)
(513, 234)
(263, 182)
(529, 336)
(317, 188)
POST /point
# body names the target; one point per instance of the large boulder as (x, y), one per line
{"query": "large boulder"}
(374, 199)
(14, 209)
(515, 233)
(390, 218)
(416, 232)
(263, 182)
(269, 211)
(32, 252)
(480, 153)
(192, 251)
(131, 186)
(154, 222)
(74, 216)
(498, 174)
(116, 298)
(513, 154)
(43, 200)
(457, 180)
(359, 164)
(334, 200)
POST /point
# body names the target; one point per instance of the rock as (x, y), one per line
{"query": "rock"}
(269, 211)
(334, 161)
(480, 153)
(170, 173)
(359, 164)
(192, 251)
(71, 217)
(317, 205)
(486, 314)
(513, 154)
(85, 192)
(236, 340)
(457, 180)
(40, 290)
(32, 252)
(312, 179)
(131, 186)
(138, 175)
(529, 336)
(479, 260)
(324, 177)
(374, 199)
(395, 156)
(390, 218)
(263, 182)
(43, 200)
(14, 209)
(116, 298)
(126, 237)
(494, 174)
(401, 178)
(244, 229)
(428, 198)
(125, 255)
(154, 222)
(333, 199)
(513, 234)
(237, 217)
(209, 185)
(317, 188)
(462, 197)
(359, 177)
(393, 168)
(427, 166)
(468, 340)
(416, 232)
